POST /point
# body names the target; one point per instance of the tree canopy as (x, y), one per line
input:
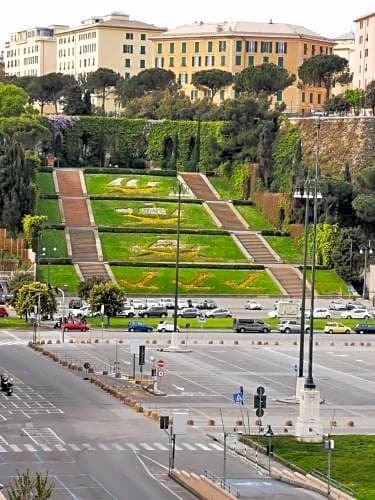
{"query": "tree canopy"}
(109, 295)
(103, 81)
(35, 294)
(213, 79)
(149, 80)
(265, 79)
(13, 100)
(370, 96)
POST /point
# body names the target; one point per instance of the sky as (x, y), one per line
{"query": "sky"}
(329, 18)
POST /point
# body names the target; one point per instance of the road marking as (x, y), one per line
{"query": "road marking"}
(103, 487)
(44, 447)
(88, 446)
(29, 447)
(60, 447)
(74, 447)
(15, 448)
(132, 446)
(3, 450)
(146, 446)
(160, 446)
(189, 446)
(118, 447)
(203, 446)
(153, 476)
(103, 447)
(178, 388)
(216, 446)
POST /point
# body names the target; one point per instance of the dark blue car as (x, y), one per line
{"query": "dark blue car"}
(137, 326)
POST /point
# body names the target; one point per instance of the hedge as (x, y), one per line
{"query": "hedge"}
(61, 260)
(243, 202)
(126, 263)
(130, 171)
(196, 201)
(47, 196)
(273, 232)
(167, 230)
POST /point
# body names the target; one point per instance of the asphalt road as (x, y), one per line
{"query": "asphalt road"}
(93, 446)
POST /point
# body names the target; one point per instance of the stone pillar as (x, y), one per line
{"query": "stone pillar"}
(300, 385)
(309, 427)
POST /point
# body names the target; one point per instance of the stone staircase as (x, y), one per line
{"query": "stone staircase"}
(82, 236)
(255, 247)
(287, 276)
(199, 187)
(227, 216)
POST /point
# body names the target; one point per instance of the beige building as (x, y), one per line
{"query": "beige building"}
(31, 52)
(364, 61)
(345, 47)
(113, 41)
(234, 46)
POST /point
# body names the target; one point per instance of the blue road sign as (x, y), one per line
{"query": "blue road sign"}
(202, 318)
(238, 397)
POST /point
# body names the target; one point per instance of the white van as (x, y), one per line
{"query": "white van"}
(167, 302)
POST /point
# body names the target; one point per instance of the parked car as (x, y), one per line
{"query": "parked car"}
(167, 302)
(207, 304)
(75, 326)
(333, 327)
(86, 311)
(3, 312)
(356, 313)
(252, 305)
(361, 328)
(337, 305)
(182, 304)
(126, 312)
(292, 326)
(5, 298)
(137, 326)
(354, 305)
(189, 312)
(319, 312)
(153, 312)
(152, 302)
(242, 325)
(137, 304)
(164, 326)
(219, 313)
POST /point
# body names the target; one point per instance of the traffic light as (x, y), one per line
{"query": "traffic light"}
(260, 403)
(164, 422)
(270, 450)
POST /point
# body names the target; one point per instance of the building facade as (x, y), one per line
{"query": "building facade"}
(113, 41)
(345, 47)
(364, 64)
(235, 46)
(31, 52)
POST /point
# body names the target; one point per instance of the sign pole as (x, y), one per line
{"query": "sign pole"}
(134, 366)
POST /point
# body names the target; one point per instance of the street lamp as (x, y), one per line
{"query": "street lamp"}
(269, 434)
(47, 253)
(367, 251)
(177, 257)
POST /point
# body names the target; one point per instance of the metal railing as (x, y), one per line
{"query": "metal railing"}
(224, 484)
(332, 482)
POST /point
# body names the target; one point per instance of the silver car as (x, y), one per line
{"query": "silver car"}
(291, 326)
(219, 313)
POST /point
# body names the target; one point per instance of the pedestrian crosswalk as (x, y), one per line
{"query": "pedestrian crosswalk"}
(106, 447)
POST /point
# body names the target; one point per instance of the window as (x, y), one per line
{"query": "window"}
(305, 49)
(129, 36)
(127, 49)
(143, 49)
(210, 61)
(143, 36)
(251, 46)
(196, 47)
(366, 52)
(281, 47)
(159, 62)
(266, 47)
(183, 47)
(196, 61)
(142, 63)
(321, 49)
(313, 50)
(238, 46)
(279, 95)
(238, 61)
(303, 97)
(222, 95)
(222, 61)
(127, 76)
(160, 48)
(209, 46)
(222, 45)
(207, 93)
(183, 61)
(250, 61)
(311, 98)
(127, 63)
(194, 95)
(183, 78)
(171, 48)
(171, 62)
(361, 24)
(266, 60)
(280, 62)
(319, 98)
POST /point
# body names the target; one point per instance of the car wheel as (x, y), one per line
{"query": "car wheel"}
(265, 330)
(308, 331)
(144, 315)
(131, 315)
(361, 332)
(349, 317)
(347, 331)
(330, 331)
(164, 315)
(328, 316)
(367, 317)
(287, 330)
(163, 330)
(131, 330)
(149, 330)
(242, 330)
(228, 316)
(179, 316)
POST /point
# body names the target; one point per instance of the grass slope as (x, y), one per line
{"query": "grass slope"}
(50, 208)
(45, 183)
(223, 187)
(327, 282)
(284, 246)
(131, 185)
(253, 217)
(61, 275)
(53, 238)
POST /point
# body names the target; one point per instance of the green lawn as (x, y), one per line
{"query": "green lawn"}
(223, 187)
(327, 282)
(352, 460)
(210, 323)
(195, 281)
(61, 275)
(285, 247)
(253, 217)
(45, 182)
(53, 238)
(50, 208)
(14, 323)
(141, 247)
(149, 214)
(130, 185)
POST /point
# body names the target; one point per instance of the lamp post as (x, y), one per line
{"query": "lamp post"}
(177, 257)
(47, 253)
(269, 434)
(367, 251)
(37, 256)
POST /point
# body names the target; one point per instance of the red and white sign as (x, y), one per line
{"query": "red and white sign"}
(160, 363)
(161, 373)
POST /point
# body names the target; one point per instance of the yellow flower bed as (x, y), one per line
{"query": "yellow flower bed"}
(195, 284)
(244, 284)
(152, 220)
(143, 283)
(138, 190)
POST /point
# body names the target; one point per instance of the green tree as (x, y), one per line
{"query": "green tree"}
(326, 69)
(19, 279)
(103, 81)
(49, 88)
(347, 261)
(263, 80)
(35, 294)
(364, 203)
(337, 104)
(325, 242)
(370, 96)
(212, 79)
(145, 82)
(109, 295)
(13, 100)
(267, 136)
(32, 229)
(85, 286)
(355, 97)
(75, 101)
(24, 487)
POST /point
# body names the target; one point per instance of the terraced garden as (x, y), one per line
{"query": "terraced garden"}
(50, 208)
(254, 218)
(61, 275)
(54, 238)
(45, 183)
(285, 247)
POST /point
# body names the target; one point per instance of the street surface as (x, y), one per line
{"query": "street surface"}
(95, 447)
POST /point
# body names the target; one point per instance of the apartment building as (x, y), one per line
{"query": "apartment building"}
(32, 52)
(2, 66)
(364, 59)
(234, 46)
(113, 41)
(345, 47)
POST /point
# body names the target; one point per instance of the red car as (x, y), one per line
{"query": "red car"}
(3, 312)
(83, 327)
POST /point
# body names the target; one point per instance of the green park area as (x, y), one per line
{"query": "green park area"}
(50, 208)
(193, 281)
(253, 217)
(156, 214)
(60, 275)
(53, 238)
(352, 460)
(156, 247)
(327, 282)
(285, 248)
(223, 187)
(44, 181)
(131, 185)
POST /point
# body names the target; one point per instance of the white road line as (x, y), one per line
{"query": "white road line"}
(202, 446)
(160, 446)
(216, 446)
(44, 447)
(154, 477)
(147, 446)
(3, 450)
(132, 446)
(29, 447)
(60, 447)
(74, 447)
(118, 447)
(103, 447)
(15, 448)
(189, 446)
(88, 446)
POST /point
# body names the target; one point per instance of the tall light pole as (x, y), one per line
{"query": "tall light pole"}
(47, 253)
(177, 257)
(367, 251)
